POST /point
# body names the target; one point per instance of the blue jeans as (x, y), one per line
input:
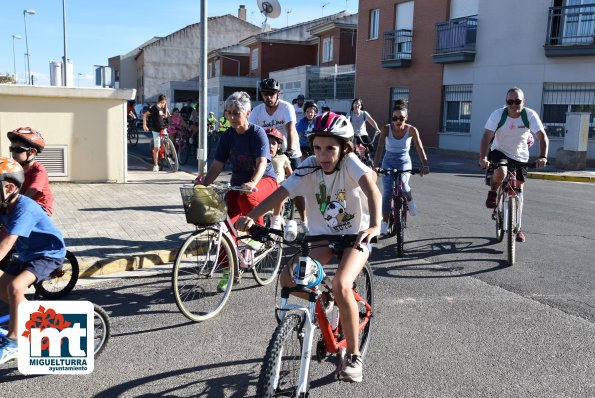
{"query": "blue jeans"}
(393, 160)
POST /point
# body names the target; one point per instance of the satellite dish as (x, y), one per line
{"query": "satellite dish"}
(269, 8)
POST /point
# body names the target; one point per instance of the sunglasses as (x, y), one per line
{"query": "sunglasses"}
(18, 149)
(268, 93)
(514, 102)
(397, 118)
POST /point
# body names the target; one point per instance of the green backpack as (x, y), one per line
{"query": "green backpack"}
(524, 117)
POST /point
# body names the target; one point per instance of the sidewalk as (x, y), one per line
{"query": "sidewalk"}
(118, 227)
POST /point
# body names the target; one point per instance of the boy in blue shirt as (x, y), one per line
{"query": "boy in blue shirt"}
(39, 245)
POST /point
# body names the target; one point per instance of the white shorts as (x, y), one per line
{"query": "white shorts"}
(156, 139)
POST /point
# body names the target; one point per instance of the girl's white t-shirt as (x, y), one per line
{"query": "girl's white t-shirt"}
(335, 203)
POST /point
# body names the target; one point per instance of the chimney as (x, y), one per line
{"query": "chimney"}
(242, 12)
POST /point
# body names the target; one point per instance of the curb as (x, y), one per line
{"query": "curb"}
(560, 177)
(132, 263)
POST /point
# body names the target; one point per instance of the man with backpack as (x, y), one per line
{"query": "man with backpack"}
(508, 136)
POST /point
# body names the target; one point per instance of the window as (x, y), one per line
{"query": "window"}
(327, 49)
(374, 23)
(559, 98)
(398, 93)
(254, 59)
(218, 67)
(457, 108)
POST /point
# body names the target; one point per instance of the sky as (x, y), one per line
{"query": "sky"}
(98, 30)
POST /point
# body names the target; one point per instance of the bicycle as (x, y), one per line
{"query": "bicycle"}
(167, 153)
(132, 134)
(210, 255)
(101, 326)
(508, 211)
(182, 145)
(285, 369)
(363, 150)
(397, 217)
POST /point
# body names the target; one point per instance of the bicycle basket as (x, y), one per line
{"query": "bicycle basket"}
(203, 205)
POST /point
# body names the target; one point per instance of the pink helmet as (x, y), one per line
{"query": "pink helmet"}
(332, 124)
(273, 132)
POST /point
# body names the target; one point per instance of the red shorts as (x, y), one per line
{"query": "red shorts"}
(239, 204)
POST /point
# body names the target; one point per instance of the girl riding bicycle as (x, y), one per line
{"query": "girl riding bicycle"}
(176, 125)
(341, 198)
(396, 137)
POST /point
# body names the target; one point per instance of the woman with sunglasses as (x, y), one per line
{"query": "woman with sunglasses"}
(396, 138)
(507, 135)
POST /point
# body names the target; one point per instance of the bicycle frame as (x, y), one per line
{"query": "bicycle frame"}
(398, 193)
(508, 190)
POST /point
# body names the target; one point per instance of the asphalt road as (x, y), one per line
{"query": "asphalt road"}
(451, 319)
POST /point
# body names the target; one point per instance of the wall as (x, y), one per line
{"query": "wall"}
(510, 53)
(91, 122)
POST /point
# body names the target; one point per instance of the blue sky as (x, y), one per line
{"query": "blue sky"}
(97, 30)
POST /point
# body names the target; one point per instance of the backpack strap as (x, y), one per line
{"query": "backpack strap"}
(524, 117)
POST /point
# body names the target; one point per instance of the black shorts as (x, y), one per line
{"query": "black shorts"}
(496, 156)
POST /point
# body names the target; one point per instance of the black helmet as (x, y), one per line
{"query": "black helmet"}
(270, 85)
(310, 104)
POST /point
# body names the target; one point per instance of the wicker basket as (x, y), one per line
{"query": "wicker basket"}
(203, 205)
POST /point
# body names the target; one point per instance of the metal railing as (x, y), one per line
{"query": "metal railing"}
(398, 44)
(332, 87)
(456, 35)
(571, 25)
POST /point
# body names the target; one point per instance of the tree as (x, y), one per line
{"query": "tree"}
(7, 79)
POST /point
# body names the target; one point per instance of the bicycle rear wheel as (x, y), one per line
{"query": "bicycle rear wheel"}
(364, 287)
(171, 157)
(400, 225)
(267, 262)
(511, 233)
(279, 375)
(198, 277)
(62, 280)
(132, 136)
(102, 329)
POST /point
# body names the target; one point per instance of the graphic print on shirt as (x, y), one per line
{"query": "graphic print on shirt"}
(334, 212)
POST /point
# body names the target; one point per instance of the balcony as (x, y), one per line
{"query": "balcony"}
(455, 40)
(397, 48)
(570, 31)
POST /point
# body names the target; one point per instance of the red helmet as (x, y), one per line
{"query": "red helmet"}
(29, 135)
(273, 132)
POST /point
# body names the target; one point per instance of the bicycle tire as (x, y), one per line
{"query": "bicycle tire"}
(364, 286)
(170, 155)
(267, 262)
(511, 233)
(102, 329)
(61, 281)
(400, 226)
(134, 137)
(500, 218)
(184, 152)
(280, 370)
(197, 272)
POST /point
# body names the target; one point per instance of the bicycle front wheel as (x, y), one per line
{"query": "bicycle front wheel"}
(280, 372)
(400, 226)
(364, 287)
(171, 157)
(61, 281)
(267, 260)
(500, 217)
(102, 329)
(512, 227)
(203, 274)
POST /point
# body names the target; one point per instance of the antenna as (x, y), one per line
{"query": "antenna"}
(269, 8)
(324, 5)
(288, 12)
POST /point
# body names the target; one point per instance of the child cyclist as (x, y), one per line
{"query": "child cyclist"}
(334, 178)
(39, 245)
(282, 167)
(25, 144)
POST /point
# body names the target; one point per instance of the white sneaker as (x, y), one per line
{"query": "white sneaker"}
(412, 207)
(155, 168)
(304, 227)
(352, 372)
(383, 228)
(277, 223)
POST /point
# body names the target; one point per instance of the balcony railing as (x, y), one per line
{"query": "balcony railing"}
(455, 40)
(398, 45)
(571, 31)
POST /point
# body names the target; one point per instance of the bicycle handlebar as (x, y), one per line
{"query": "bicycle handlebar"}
(380, 170)
(258, 232)
(504, 162)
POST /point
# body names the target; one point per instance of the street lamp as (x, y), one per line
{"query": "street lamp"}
(25, 12)
(14, 59)
(79, 79)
